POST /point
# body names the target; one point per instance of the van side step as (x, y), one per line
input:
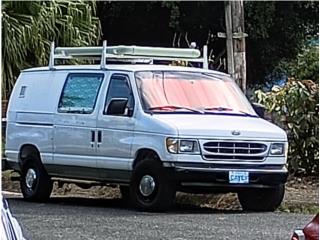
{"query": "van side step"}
(80, 183)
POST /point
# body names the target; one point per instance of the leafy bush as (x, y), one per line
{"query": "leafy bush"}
(304, 66)
(294, 108)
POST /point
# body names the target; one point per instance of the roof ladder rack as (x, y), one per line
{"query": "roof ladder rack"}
(131, 54)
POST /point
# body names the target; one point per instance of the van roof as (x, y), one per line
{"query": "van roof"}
(125, 67)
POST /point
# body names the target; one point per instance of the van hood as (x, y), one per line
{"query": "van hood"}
(223, 126)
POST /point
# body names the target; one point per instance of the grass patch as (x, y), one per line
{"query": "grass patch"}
(305, 208)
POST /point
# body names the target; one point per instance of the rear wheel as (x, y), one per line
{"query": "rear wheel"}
(266, 199)
(151, 189)
(35, 183)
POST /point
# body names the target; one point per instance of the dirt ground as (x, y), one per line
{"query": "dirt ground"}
(302, 194)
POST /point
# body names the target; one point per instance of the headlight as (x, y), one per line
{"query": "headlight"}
(182, 146)
(189, 146)
(172, 145)
(277, 149)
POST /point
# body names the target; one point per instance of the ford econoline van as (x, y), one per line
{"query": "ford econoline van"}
(150, 128)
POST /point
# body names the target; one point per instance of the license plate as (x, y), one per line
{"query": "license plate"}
(238, 177)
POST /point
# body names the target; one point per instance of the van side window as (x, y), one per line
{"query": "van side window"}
(80, 93)
(120, 87)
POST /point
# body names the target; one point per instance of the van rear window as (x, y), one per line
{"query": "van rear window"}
(80, 93)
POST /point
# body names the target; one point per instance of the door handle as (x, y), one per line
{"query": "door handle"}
(93, 138)
(99, 136)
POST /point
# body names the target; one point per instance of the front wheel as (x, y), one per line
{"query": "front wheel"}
(35, 183)
(151, 189)
(264, 199)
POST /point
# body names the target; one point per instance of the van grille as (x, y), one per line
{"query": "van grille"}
(225, 150)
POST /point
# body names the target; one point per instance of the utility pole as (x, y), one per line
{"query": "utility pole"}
(235, 38)
(228, 36)
(239, 44)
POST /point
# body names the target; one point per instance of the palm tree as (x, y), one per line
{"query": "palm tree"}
(28, 28)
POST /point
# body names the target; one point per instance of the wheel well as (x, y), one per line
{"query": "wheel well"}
(27, 150)
(142, 153)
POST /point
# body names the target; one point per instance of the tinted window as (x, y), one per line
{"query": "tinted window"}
(80, 93)
(119, 87)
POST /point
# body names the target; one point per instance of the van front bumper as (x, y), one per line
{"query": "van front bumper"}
(217, 175)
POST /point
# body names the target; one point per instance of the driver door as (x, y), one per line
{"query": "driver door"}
(115, 132)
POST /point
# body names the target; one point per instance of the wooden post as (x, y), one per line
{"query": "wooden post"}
(239, 47)
(228, 35)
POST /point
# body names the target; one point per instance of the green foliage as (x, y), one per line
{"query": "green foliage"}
(156, 23)
(174, 13)
(305, 208)
(277, 31)
(293, 108)
(261, 18)
(305, 66)
(28, 28)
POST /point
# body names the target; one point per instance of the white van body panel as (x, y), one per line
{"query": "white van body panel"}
(220, 126)
(39, 85)
(29, 119)
(151, 133)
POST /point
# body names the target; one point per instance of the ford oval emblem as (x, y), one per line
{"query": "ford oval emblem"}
(235, 133)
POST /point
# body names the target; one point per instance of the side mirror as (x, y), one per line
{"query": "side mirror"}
(117, 106)
(259, 109)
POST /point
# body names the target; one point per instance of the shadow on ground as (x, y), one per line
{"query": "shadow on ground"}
(120, 204)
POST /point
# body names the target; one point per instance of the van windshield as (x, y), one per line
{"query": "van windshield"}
(174, 91)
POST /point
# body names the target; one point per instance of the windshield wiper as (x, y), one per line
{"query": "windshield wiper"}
(220, 109)
(225, 109)
(174, 107)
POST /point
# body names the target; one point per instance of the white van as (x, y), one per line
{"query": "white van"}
(153, 129)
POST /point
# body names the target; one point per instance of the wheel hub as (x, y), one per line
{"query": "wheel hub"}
(31, 177)
(147, 185)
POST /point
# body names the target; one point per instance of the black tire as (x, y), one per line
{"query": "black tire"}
(41, 188)
(162, 197)
(261, 200)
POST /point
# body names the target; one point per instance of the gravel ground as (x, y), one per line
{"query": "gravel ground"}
(84, 218)
(98, 213)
